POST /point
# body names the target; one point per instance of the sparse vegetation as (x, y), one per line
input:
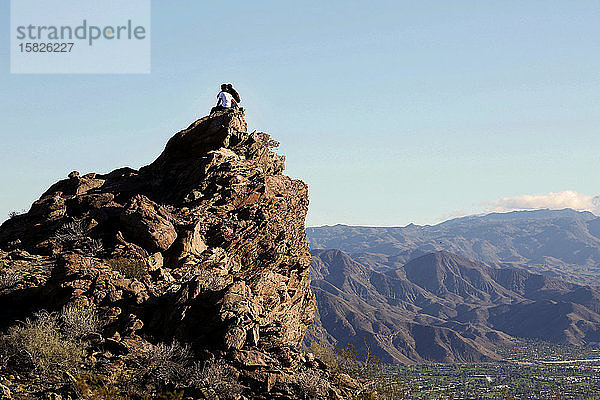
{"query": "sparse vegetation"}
(9, 277)
(13, 214)
(38, 344)
(70, 232)
(132, 268)
(74, 236)
(95, 246)
(218, 376)
(310, 384)
(169, 368)
(174, 395)
(375, 381)
(79, 321)
(91, 386)
(210, 279)
(161, 367)
(97, 387)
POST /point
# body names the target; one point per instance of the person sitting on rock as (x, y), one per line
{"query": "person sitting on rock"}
(224, 100)
(234, 93)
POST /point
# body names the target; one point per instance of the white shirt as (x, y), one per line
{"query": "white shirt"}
(226, 99)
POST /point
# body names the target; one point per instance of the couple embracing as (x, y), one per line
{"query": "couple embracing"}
(227, 98)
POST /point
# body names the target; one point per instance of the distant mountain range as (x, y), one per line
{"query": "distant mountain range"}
(559, 243)
(412, 300)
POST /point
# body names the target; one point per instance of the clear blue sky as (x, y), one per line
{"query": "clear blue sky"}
(392, 111)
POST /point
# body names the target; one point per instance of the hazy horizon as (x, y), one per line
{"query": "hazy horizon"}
(449, 219)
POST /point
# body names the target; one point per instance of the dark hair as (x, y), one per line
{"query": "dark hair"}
(224, 86)
(233, 92)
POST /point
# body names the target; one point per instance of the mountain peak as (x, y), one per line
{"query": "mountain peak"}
(205, 245)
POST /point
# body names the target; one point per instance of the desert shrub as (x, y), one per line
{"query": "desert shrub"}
(9, 277)
(73, 236)
(272, 144)
(211, 280)
(160, 367)
(217, 375)
(365, 367)
(14, 214)
(94, 246)
(168, 362)
(507, 396)
(389, 386)
(38, 344)
(132, 268)
(326, 353)
(87, 263)
(310, 384)
(174, 395)
(70, 232)
(448, 397)
(91, 386)
(79, 321)
(378, 384)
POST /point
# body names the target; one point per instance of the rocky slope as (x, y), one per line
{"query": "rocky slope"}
(206, 245)
(445, 308)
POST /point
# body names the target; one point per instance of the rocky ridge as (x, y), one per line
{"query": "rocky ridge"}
(441, 307)
(564, 244)
(206, 245)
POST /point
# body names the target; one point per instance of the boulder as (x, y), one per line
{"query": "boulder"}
(147, 224)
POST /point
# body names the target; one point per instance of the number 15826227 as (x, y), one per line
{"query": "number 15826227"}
(46, 47)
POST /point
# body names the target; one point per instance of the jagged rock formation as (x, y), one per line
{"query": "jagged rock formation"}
(205, 245)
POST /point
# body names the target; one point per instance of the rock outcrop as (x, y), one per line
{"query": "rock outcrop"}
(206, 245)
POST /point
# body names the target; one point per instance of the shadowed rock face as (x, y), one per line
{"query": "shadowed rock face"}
(219, 233)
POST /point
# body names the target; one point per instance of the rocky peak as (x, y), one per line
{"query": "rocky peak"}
(217, 231)
(194, 153)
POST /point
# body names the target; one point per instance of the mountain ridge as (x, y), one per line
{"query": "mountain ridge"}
(560, 243)
(459, 307)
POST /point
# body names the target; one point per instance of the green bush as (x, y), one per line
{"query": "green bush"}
(326, 353)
